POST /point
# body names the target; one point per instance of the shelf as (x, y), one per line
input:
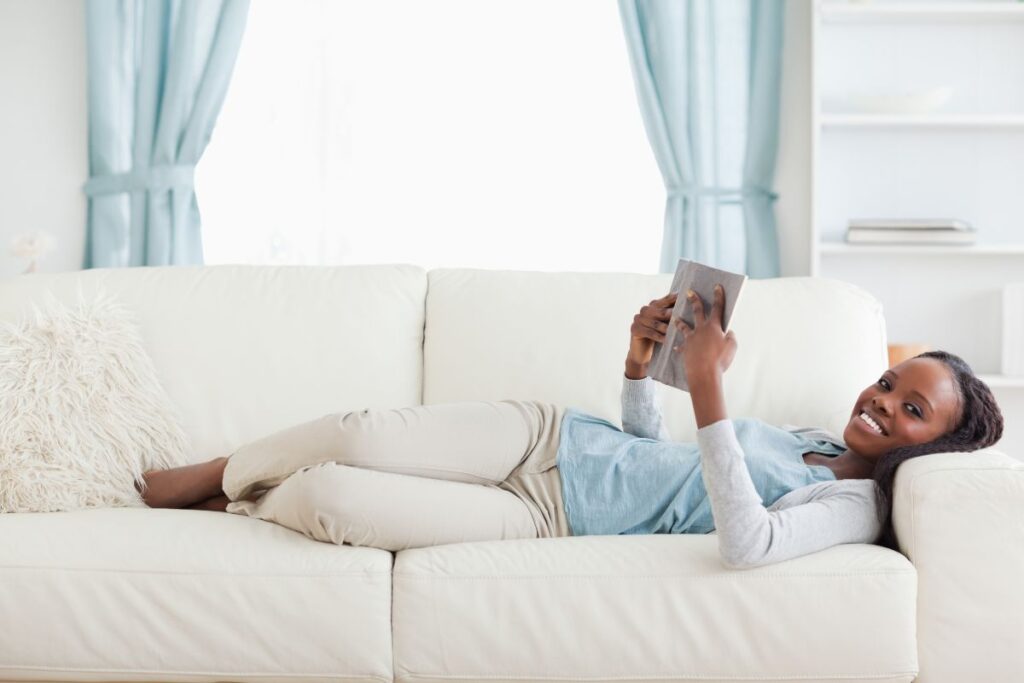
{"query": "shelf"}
(847, 249)
(933, 12)
(972, 121)
(999, 381)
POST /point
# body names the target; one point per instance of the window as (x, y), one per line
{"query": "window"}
(453, 133)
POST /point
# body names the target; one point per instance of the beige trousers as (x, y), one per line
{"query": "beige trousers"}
(408, 477)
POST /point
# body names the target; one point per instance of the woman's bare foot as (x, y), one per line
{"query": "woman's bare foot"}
(182, 486)
(217, 504)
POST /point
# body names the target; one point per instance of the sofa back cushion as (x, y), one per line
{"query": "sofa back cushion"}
(807, 345)
(243, 351)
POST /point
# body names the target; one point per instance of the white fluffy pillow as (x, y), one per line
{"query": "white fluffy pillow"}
(82, 413)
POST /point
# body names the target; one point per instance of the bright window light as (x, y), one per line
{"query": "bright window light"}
(454, 133)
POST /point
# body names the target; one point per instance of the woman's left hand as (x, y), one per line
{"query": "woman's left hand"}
(706, 348)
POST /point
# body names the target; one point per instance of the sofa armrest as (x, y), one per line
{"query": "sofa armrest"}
(959, 518)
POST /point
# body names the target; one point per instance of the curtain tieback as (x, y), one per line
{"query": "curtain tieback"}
(727, 192)
(152, 178)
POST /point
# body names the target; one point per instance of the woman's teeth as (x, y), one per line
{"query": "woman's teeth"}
(871, 423)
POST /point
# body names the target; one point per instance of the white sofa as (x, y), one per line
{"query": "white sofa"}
(138, 594)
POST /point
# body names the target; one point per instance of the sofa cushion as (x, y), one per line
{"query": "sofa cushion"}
(87, 414)
(128, 594)
(650, 607)
(807, 345)
(244, 351)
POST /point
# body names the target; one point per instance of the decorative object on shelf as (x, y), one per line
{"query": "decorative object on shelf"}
(901, 352)
(894, 102)
(1013, 328)
(911, 231)
(31, 246)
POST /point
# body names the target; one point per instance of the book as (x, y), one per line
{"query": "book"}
(909, 224)
(667, 365)
(914, 236)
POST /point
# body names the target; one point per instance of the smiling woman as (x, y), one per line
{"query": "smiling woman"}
(895, 411)
(931, 403)
(449, 133)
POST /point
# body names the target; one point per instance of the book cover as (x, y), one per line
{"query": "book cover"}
(667, 365)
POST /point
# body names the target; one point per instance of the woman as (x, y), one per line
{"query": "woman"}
(489, 470)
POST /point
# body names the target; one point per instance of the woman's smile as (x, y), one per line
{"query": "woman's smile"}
(864, 422)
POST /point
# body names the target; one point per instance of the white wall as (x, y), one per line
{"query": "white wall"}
(43, 124)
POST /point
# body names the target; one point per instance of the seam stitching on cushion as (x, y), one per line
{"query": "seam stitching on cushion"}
(673, 677)
(207, 574)
(277, 674)
(727, 575)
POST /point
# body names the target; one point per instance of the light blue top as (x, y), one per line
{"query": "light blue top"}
(639, 482)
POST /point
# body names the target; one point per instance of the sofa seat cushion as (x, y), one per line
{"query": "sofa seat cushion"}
(128, 594)
(650, 607)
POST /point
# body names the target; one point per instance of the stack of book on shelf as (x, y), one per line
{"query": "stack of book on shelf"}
(910, 231)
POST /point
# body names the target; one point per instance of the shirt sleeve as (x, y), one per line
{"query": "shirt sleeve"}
(749, 535)
(641, 414)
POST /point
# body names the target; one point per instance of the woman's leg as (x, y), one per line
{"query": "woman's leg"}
(341, 504)
(478, 442)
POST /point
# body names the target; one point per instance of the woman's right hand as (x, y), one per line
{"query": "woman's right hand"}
(649, 326)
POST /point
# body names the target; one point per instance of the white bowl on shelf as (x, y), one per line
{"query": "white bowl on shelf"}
(922, 102)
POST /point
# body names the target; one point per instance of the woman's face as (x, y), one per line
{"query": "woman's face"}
(913, 402)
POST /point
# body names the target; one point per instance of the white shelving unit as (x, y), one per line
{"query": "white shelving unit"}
(891, 11)
(862, 249)
(981, 122)
(958, 158)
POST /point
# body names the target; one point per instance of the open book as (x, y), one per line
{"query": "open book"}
(667, 365)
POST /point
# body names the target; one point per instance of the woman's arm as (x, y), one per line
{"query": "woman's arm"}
(708, 399)
(748, 534)
(751, 536)
(641, 414)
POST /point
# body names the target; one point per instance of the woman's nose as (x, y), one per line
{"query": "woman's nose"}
(880, 405)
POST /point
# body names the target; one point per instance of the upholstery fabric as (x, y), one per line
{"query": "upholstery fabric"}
(958, 517)
(563, 337)
(536, 610)
(132, 594)
(243, 351)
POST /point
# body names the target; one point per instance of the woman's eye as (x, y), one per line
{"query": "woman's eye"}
(913, 409)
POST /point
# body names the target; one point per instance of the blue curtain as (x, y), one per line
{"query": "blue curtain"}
(707, 76)
(158, 73)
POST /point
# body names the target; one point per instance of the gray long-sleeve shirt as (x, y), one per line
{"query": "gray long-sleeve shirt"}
(803, 521)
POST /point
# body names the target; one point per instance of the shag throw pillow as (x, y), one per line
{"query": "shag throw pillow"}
(82, 413)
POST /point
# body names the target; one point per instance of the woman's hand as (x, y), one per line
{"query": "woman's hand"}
(649, 326)
(706, 348)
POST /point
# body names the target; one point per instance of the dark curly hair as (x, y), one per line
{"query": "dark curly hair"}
(979, 425)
